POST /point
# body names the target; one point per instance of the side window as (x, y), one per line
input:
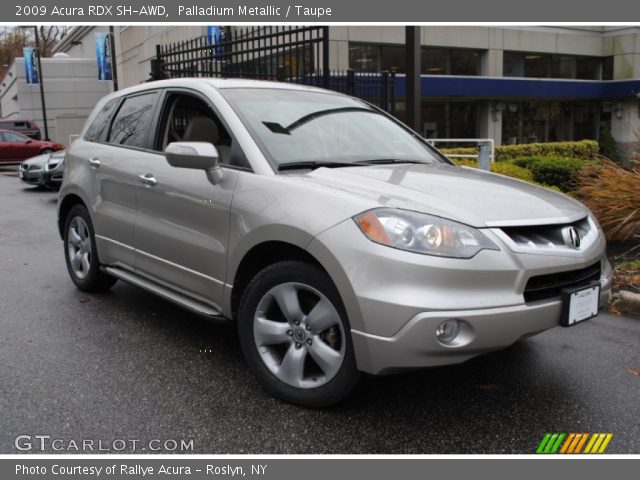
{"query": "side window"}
(13, 137)
(187, 118)
(101, 122)
(132, 122)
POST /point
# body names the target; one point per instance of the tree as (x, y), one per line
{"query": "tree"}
(14, 39)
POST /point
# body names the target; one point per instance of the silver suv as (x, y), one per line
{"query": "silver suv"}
(337, 239)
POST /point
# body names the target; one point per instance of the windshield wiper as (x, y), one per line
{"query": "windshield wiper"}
(387, 161)
(286, 130)
(313, 165)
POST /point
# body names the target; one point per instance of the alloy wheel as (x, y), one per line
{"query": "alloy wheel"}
(299, 335)
(79, 247)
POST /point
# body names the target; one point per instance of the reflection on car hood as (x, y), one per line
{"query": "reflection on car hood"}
(37, 160)
(466, 195)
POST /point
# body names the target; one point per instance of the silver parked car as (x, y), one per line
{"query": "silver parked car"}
(44, 170)
(336, 237)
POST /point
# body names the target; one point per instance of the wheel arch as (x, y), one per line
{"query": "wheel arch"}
(65, 205)
(261, 256)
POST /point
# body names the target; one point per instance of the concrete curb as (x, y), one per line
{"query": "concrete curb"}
(627, 303)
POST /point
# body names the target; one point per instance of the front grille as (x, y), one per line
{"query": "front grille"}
(543, 287)
(547, 237)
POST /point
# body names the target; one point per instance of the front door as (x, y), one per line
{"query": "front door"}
(182, 224)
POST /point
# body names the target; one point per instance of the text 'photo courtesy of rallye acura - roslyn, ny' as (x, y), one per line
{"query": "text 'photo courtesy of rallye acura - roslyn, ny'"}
(337, 238)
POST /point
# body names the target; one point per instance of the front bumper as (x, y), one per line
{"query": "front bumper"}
(32, 177)
(395, 300)
(53, 178)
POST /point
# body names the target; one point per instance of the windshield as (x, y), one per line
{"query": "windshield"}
(295, 126)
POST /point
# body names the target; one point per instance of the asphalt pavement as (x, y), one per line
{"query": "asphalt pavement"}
(128, 365)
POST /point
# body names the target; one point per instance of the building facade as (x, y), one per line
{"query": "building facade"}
(71, 90)
(513, 84)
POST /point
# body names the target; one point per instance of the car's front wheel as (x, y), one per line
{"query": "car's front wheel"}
(81, 253)
(295, 335)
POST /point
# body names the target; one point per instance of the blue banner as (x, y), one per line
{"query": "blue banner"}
(216, 36)
(30, 55)
(103, 55)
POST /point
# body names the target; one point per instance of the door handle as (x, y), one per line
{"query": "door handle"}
(148, 179)
(94, 162)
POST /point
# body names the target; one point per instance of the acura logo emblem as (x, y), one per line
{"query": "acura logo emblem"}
(571, 237)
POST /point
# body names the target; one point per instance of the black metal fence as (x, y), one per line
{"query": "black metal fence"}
(295, 54)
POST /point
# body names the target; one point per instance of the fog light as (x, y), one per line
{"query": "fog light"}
(448, 330)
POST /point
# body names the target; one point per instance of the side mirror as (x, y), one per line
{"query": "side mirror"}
(195, 155)
(28, 141)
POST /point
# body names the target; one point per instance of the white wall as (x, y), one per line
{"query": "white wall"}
(71, 88)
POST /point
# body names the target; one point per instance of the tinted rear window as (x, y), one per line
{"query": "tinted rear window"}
(101, 122)
(131, 124)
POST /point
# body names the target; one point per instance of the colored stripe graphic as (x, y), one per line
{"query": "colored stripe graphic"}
(551, 443)
(574, 443)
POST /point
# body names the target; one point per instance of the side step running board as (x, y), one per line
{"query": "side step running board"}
(164, 292)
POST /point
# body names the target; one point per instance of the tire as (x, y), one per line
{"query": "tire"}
(301, 353)
(80, 252)
(46, 150)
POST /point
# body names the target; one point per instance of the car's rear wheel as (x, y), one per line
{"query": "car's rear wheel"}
(295, 335)
(81, 253)
(46, 150)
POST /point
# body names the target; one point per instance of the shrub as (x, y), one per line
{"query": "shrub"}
(465, 162)
(558, 172)
(508, 169)
(513, 171)
(612, 193)
(525, 162)
(584, 149)
(608, 145)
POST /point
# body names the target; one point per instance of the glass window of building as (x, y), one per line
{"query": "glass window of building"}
(465, 62)
(393, 58)
(584, 121)
(539, 65)
(607, 68)
(513, 64)
(364, 58)
(445, 119)
(548, 121)
(536, 65)
(563, 66)
(435, 61)
(588, 68)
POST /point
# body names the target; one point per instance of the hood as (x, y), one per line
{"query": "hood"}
(466, 195)
(37, 160)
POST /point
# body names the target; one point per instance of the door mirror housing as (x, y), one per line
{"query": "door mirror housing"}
(195, 155)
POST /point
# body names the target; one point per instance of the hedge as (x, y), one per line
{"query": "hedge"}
(513, 171)
(583, 149)
(503, 168)
(555, 171)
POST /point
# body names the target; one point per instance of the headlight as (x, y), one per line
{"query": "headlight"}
(421, 233)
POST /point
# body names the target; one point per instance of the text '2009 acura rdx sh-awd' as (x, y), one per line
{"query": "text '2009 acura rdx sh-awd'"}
(337, 238)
